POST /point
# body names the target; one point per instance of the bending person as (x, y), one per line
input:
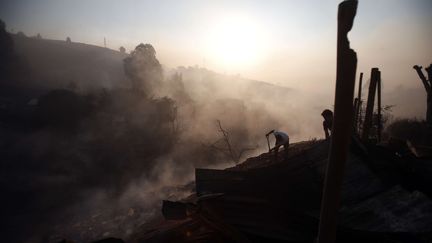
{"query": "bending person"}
(282, 139)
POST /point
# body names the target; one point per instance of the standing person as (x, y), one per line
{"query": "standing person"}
(328, 122)
(281, 139)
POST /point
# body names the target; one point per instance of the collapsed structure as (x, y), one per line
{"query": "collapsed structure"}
(385, 198)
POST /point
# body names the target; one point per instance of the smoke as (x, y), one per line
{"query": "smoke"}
(87, 163)
(407, 102)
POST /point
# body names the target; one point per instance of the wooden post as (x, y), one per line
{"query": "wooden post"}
(356, 101)
(429, 96)
(358, 105)
(379, 125)
(360, 118)
(367, 124)
(342, 123)
(360, 86)
(427, 83)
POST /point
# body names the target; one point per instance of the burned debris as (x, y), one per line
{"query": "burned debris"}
(262, 200)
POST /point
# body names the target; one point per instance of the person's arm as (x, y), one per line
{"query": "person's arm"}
(326, 130)
(272, 131)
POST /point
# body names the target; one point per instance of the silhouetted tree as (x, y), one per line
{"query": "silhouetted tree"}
(68, 40)
(6, 49)
(233, 152)
(12, 68)
(143, 69)
(427, 83)
(72, 85)
(62, 109)
(21, 34)
(122, 50)
(175, 89)
(38, 36)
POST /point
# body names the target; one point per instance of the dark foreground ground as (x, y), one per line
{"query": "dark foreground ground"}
(386, 198)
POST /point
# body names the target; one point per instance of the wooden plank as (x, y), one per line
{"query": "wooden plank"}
(358, 105)
(379, 125)
(209, 181)
(342, 123)
(370, 105)
(174, 210)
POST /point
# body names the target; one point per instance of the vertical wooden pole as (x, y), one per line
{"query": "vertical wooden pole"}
(429, 97)
(428, 87)
(358, 105)
(360, 118)
(356, 101)
(367, 124)
(360, 86)
(379, 126)
(342, 123)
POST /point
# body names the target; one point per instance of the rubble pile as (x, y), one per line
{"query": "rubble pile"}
(269, 200)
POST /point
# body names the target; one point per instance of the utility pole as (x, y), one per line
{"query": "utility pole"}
(104, 42)
(342, 124)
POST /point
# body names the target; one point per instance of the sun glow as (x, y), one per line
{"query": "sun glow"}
(236, 42)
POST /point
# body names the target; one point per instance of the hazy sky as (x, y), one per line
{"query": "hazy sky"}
(285, 42)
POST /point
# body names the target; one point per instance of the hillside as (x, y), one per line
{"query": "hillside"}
(56, 63)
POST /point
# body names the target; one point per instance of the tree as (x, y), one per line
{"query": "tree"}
(12, 68)
(62, 109)
(68, 40)
(143, 69)
(21, 34)
(233, 152)
(122, 50)
(6, 45)
(427, 83)
(38, 36)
